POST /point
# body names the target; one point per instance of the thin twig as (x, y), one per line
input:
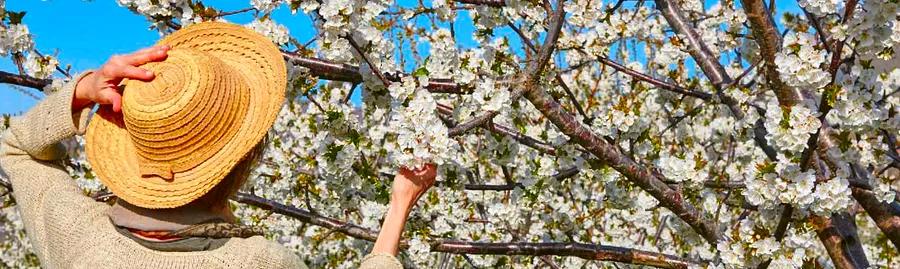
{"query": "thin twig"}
(228, 13)
(362, 54)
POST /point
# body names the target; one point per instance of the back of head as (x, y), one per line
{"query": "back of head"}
(232, 183)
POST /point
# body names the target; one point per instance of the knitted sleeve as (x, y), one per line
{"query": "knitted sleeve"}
(380, 261)
(31, 156)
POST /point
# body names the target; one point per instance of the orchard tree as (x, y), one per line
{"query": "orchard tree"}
(569, 134)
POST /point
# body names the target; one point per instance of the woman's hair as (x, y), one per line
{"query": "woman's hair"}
(234, 180)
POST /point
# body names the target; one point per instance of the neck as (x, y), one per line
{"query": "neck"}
(168, 219)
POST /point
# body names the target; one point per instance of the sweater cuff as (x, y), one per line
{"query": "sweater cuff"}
(80, 117)
(380, 260)
(51, 120)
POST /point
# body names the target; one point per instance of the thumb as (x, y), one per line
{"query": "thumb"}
(111, 97)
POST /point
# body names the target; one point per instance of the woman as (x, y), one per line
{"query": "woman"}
(173, 179)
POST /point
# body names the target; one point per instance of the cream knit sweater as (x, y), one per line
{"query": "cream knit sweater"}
(70, 230)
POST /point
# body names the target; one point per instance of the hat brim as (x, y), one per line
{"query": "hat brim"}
(114, 159)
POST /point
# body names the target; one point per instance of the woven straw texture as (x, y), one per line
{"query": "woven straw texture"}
(213, 99)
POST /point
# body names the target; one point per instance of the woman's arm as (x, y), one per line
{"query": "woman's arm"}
(50, 203)
(408, 187)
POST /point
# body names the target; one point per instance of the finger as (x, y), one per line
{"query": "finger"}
(145, 50)
(152, 54)
(128, 71)
(110, 97)
(425, 169)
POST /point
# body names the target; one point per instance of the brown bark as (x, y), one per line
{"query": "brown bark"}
(492, 3)
(769, 40)
(702, 55)
(523, 139)
(23, 80)
(324, 69)
(886, 216)
(698, 50)
(841, 241)
(655, 82)
(586, 251)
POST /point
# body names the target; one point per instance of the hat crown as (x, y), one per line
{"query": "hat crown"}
(185, 114)
(132, 158)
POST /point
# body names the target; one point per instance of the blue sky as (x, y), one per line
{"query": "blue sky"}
(86, 33)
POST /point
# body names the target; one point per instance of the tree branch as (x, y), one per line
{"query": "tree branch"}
(349, 229)
(557, 75)
(24, 80)
(586, 251)
(480, 120)
(561, 175)
(886, 216)
(239, 11)
(490, 3)
(704, 57)
(366, 59)
(838, 234)
(531, 142)
(532, 73)
(653, 81)
(610, 155)
(769, 40)
(324, 69)
(842, 245)
(633, 171)
(701, 54)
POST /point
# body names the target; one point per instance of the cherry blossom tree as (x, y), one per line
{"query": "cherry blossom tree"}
(574, 134)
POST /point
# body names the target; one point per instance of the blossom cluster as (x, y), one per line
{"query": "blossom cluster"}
(276, 32)
(800, 63)
(821, 7)
(15, 38)
(420, 136)
(790, 127)
(40, 66)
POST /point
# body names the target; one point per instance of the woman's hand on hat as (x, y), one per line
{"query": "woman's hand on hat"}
(102, 86)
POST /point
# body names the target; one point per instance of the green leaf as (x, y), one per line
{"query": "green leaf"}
(765, 167)
(484, 32)
(795, 48)
(355, 137)
(785, 117)
(332, 151)
(422, 71)
(333, 116)
(831, 94)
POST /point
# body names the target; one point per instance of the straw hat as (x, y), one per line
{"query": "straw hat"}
(213, 99)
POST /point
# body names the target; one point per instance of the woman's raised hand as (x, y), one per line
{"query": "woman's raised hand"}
(410, 184)
(102, 86)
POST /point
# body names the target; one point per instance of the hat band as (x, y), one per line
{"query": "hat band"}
(162, 171)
